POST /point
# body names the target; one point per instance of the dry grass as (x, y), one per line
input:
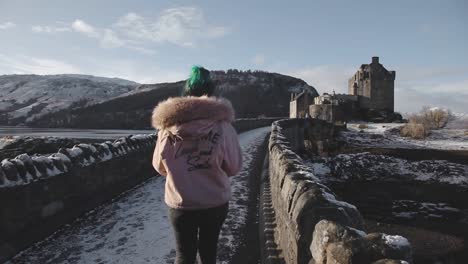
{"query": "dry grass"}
(413, 130)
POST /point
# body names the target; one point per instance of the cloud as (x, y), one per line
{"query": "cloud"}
(415, 87)
(50, 29)
(110, 40)
(136, 71)
(83, 27)
(258, 60)
(121, 68)
(7, 25)
(452, 95)
(326, 78)
(34, 65)
(182, 26)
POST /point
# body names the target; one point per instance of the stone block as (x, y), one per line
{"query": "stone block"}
(41, 167)
(328, 232)
(28, 164)
(337, 253)
(2, 176)
(11, 173)
(20, 169)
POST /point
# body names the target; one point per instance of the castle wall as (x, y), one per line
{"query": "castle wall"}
(300, 106)
(327, 112)
(382, 94)
(361, 78)
(351, 86)
(293, 109)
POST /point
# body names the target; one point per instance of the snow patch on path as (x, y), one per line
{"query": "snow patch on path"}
(229, 240)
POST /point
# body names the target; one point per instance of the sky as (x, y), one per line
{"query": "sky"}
(321, 42)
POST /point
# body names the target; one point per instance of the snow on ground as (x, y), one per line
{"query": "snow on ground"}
(408, 210)
(387, 135)
(368, 167)
(134, 227)
(238, 207)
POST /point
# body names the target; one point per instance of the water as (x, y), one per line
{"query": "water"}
(69, 132)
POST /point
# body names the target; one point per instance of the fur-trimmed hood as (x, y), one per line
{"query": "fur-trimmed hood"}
(177, 111)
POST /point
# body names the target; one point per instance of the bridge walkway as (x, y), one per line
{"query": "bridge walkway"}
(133, 228)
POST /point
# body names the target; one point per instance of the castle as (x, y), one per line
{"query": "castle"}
(370, 90)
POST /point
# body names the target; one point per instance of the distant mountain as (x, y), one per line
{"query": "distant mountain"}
(252, 94)
(26, 97)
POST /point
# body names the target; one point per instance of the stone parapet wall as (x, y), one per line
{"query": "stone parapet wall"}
(245, 124)
(301, 201)
(25, 169)
(40, 193)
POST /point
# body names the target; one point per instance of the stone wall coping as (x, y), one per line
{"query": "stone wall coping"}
(25, 169)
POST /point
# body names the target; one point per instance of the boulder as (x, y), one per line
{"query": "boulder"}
(333, 243)
(391, 246)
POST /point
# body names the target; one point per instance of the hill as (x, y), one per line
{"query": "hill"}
(26, 97)
(252, 94)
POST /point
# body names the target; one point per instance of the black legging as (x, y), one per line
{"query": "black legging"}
(197, 229)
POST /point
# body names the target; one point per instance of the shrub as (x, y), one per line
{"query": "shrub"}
(420, 124)
(432, 118)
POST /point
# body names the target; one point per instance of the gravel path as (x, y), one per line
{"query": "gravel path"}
(133, 228)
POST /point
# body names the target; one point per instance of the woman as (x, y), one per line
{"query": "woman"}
(197, 150)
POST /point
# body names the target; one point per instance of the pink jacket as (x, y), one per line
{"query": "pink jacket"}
(197, 149)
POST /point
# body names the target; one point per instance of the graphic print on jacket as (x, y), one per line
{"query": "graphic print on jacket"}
(197, 152)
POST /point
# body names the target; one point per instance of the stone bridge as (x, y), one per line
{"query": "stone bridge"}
(103, 203)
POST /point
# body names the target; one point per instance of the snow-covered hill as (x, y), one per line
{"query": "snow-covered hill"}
(252, 94)
(25, 97)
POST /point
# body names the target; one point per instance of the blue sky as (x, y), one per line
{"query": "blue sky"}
(322, 42)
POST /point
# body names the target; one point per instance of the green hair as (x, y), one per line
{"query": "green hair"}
(199, 83)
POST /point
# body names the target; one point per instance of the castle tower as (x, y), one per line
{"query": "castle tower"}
(374, 85)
